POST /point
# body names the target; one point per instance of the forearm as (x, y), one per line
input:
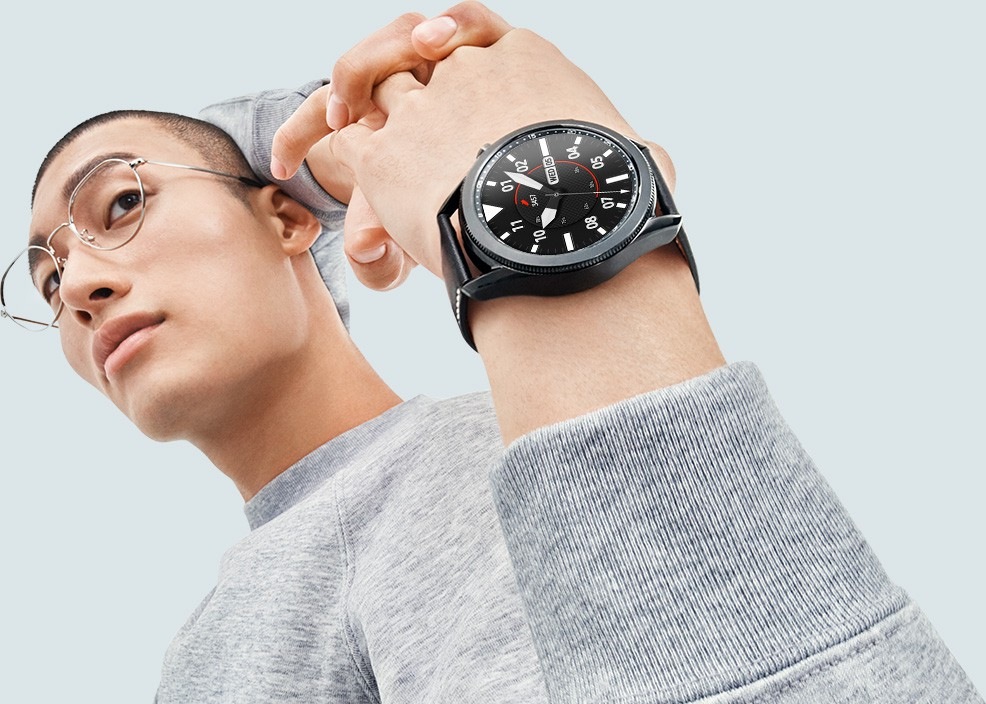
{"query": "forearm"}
(682, 544)
(554, 358)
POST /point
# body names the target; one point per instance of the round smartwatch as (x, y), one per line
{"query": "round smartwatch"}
(551, 209)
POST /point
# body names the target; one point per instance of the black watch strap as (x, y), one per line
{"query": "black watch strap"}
(455, 271)
(686, 251)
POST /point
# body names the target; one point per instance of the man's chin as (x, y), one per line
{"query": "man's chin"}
(164, 406)
(159, 420)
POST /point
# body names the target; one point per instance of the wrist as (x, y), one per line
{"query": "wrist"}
(553, 358)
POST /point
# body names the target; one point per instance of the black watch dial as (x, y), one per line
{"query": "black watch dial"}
(556, 190)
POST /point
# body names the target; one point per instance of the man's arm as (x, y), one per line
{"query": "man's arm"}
(547, 358)
(681, 544)
(671, 538)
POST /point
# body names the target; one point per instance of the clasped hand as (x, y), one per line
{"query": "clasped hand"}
(405, 114)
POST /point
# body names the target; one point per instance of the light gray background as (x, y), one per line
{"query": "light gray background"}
(830, 171)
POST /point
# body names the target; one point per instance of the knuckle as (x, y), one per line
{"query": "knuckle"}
(342, 148)
(346, 72)
(523, 34)
(406, 22)
(470, 14)
(525, 38)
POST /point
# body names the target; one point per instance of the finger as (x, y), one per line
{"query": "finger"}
(467, 24)
(333, 177)
(299, 134)
(376, 259)
(331, 174)
(393, 89)
(350, 145)
(356, 72)
(374, 120)
(388, 272)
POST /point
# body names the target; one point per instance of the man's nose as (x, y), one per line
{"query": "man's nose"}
(91, 280)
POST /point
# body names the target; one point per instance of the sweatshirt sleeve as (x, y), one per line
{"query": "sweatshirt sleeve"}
(252, 120)
(681, 544)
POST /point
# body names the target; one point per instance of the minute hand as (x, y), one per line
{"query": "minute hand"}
(586, 193)
(524, 180)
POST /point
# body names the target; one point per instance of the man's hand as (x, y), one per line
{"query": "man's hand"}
(407, 167)
(410, 44)
(409, 157)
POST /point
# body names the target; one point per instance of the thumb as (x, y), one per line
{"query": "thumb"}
(377, 260)
(467, 24)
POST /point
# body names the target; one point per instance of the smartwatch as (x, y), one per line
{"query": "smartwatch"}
(551, 209)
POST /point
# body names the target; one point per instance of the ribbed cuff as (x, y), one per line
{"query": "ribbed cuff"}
(681, 543)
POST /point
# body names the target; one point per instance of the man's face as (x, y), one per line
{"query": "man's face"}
(194, 319)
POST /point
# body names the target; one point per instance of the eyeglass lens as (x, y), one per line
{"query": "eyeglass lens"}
(32, 302)
(108, 205)
(105, 211)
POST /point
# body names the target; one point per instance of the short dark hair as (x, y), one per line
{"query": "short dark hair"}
(216, 146)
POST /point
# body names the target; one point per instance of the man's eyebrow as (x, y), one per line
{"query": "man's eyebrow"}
(33, 257)
(80, 173)
(41, 240)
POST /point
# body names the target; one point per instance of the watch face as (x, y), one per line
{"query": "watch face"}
(554, 190)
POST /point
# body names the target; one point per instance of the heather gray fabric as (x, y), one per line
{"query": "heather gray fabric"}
(375, 571)
(252, 120)
(675, 546)
(678, 546)
(681, 544)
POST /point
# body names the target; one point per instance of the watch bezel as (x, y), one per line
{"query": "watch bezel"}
(487, 251)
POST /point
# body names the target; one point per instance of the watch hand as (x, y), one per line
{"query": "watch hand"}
(524, 180)
(586, 193)
(551, 210)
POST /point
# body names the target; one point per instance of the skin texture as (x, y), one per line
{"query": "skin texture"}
(238, 364)
(412, 44)
(548, 359)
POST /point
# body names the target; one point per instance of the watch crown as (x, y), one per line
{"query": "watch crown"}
(483, 149)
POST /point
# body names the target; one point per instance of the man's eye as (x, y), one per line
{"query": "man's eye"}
(123, 204)
(49, 287)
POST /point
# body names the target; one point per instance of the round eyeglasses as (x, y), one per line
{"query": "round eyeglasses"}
(105, 211)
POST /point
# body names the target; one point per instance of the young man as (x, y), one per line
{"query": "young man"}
(375, 571)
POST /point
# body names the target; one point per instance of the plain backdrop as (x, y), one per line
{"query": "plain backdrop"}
(830, 172)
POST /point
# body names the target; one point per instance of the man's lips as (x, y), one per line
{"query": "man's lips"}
(111, 334)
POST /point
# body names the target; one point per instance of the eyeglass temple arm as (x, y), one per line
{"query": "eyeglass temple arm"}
(5, 314)
(242, 179)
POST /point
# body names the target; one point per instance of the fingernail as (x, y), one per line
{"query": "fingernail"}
(371, 255)
(277, 169)
(436, 31)
(337, 114)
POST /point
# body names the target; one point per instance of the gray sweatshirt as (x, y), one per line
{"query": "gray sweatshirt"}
(677, 546)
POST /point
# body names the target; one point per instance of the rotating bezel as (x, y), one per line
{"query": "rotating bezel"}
(486, 250)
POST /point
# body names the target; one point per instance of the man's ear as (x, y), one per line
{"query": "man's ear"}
(296, 226)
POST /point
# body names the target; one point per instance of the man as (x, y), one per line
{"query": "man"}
(360, 645)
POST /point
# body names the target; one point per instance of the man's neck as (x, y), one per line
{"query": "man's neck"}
(327, 389)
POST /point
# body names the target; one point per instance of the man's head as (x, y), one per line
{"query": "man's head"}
(216, 148)
(218, 282)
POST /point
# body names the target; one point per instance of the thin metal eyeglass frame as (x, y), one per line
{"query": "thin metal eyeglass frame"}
(88, 239)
